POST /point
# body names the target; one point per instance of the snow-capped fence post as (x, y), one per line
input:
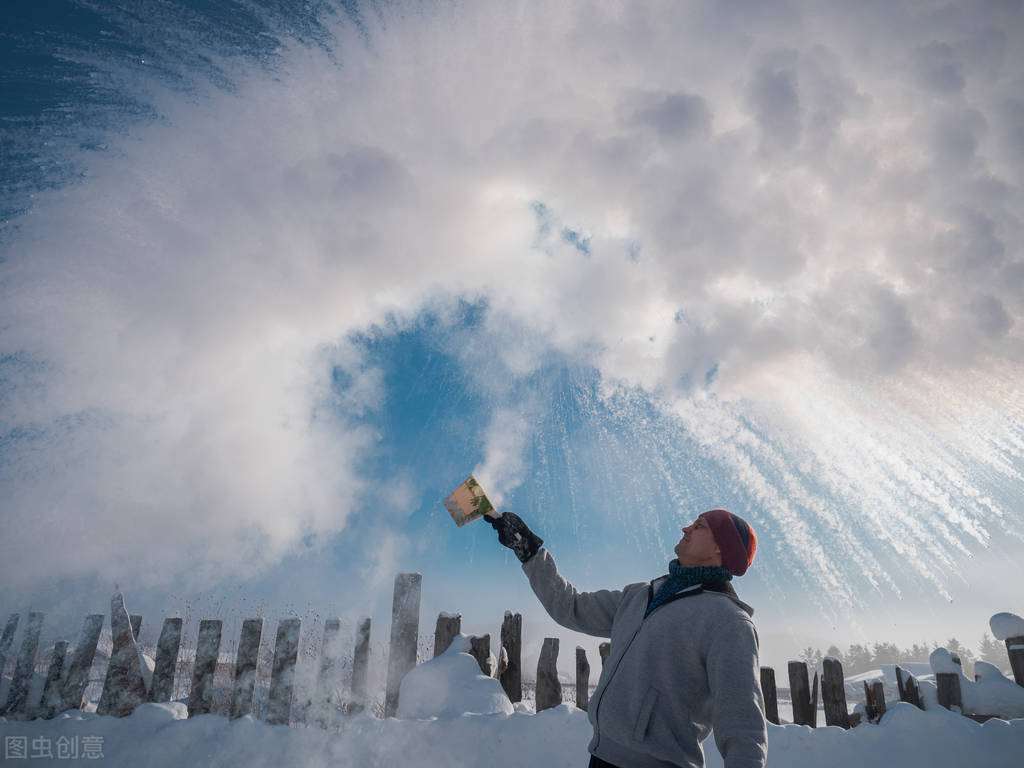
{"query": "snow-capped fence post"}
(447, 627)
(8, 638)
(947, 685)
(800, 693)
(1015, 650)
(286, 650)
(245, 668)
(549, 689)
(360, 661)
(771, 701)
(582, 679)
(874, 701)
(200, 697)
(603, 650)
(512, 641)
(908, 688)
(833, 693)
(78, 673)
(124, 687)
(17, 696)
(405, 624)
(480, 649)
(49, 705)
(167, 648)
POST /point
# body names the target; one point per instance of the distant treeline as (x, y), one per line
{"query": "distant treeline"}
(863, 658)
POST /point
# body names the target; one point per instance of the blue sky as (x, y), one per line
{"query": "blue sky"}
(277, 278)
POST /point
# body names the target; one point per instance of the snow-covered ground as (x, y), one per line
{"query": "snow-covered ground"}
(159, 735)
(435, 729)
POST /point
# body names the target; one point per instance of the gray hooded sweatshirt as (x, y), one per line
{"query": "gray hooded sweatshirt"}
(690, 665)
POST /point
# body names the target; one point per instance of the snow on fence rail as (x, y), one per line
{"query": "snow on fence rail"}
(126, 685)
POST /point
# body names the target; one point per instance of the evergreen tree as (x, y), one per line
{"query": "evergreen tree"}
(812, 657)
(886, 653)
(916, 652)
(992, 651)
(859, 659)
(835, 653)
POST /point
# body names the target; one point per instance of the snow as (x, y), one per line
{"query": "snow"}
(451, 715)
(942, 662)
(1006, 625)
(992, 693)
(160, 735)
(854, 684)
(449, 686)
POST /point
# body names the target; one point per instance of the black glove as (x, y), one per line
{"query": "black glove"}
(513, 533)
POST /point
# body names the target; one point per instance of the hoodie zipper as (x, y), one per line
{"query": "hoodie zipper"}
(621, 656)
(597, 708)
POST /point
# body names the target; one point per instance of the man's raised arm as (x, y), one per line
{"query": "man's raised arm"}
(589, 612)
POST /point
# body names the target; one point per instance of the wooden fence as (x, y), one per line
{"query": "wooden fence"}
(124, 686)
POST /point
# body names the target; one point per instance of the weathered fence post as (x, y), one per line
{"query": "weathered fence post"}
(603, 650)
(166, 662)
(833, 693)
(582, 679)
(7, 639)
(124, 687)
(246, 661)
(947, 686)
(908, 688)
(874, 701)
(814, 701)
(78, 673)
(325, 703)
(800, 694)
(50, 703)
(512, 641)
(405, 624)
(549, 689)
(1015, 650)
(360, 661)
(286, 650)
(17, 696)
(480, 649)
(200, 697)
(447, 627)
(771, 700)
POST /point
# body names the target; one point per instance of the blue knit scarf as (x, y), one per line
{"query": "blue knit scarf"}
(681, 577)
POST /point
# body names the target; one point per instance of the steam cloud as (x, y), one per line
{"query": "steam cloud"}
(793, 227)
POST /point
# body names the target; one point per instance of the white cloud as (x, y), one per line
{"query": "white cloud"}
(753, 185)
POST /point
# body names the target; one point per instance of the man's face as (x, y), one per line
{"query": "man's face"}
(698, 547)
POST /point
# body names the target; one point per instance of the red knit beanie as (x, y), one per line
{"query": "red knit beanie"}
(735, 539)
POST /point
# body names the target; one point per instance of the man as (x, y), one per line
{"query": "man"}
(683, 655)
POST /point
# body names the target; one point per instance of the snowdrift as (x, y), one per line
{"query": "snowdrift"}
(160, 736)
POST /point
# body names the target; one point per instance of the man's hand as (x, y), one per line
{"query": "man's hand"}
(513, 533)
